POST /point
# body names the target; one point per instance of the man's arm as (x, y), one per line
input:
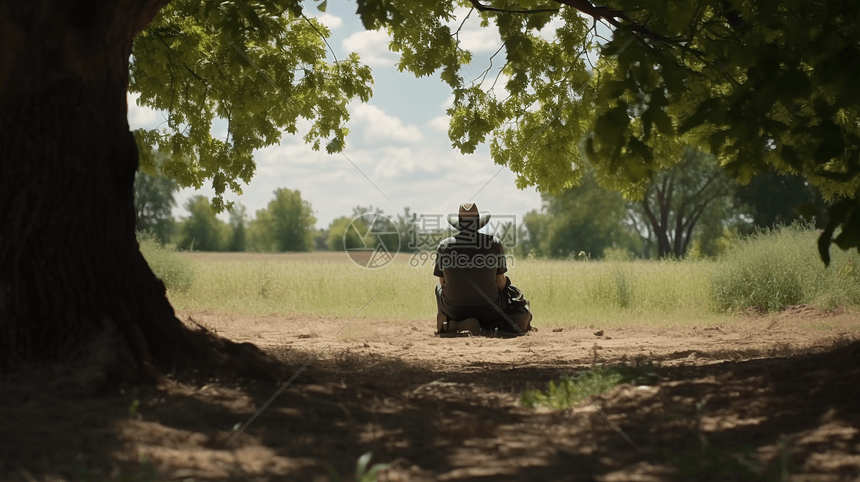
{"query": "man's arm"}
(501, 281)
(441, 281)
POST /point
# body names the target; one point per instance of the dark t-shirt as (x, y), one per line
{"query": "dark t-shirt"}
(469, 260)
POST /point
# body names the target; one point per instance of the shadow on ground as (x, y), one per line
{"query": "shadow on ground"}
(752, 419)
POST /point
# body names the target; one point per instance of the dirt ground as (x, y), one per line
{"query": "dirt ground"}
(760, 398)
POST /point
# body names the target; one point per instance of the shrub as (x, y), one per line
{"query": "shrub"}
(174, 270)
(569, 391)
(779, 267)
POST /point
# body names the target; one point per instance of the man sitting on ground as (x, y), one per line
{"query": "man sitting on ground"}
(471, 268)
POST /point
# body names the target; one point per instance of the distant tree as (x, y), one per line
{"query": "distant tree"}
(153, 205)
(532, 230)
(584, 218)
(773, 198)
(201, 230)
(362, 210)
(721, 220)
(677, 199)
(366, 228)
(407, 230)
(372, 226)
(238, 223)
(260, 239)
(339, 238)
(287, 223)
(321, 240)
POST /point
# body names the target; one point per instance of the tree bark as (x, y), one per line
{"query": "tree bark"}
(73, 283)
(663, 245)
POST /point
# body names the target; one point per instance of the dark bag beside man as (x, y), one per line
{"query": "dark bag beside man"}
(518, 311)
(519, 308)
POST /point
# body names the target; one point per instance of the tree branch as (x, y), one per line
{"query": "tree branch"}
(615, 18)
(484, 8)
(323, 38)
(173, 54)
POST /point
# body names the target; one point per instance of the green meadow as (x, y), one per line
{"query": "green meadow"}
(767, 271)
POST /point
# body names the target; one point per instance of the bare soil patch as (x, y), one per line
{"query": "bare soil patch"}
(737, 401)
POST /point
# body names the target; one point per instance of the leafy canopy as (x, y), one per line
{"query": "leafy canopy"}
(196, 61)
(765, 84)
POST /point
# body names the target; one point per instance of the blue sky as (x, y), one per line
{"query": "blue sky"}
(398, 140)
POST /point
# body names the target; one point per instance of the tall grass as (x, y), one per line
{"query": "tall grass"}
(770, 270)
(616, 291)
(776, 268)
(332, 288)
(561, 292)
(175, 271)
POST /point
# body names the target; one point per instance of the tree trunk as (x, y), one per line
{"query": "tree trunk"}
(73, 283)
(664, 248)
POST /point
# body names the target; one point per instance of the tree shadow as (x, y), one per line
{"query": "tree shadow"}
(464, 424)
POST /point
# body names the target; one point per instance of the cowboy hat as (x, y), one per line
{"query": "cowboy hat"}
(464, 220)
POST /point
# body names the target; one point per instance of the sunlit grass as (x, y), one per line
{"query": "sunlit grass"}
(568, 392)
(617, 292)
(781, 267)
(769, 270)
(562, 293)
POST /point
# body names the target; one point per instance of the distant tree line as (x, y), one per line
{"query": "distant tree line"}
(694, 208)
(287, 224)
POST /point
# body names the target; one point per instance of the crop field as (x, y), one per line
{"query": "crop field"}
(637, 371)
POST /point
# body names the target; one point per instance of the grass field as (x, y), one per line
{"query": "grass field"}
(766, 272)
(330, 284)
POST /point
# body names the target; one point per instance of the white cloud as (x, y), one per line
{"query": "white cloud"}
(279, 159)
(449, 101)
(377, 126)
(480, 39)
(140, 116)
(330, 21)
(548, 31)
(440, 123)
(372, 47)
(472, 36)
(429, 178)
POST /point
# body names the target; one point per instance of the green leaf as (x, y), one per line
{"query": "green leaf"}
(791, 157)
(612, 90)
(361, 465)
(333, 476)
(663, 122)
(837, 215)
(322, 6)
(645, 152)
(704, 113)
(647, 122)
(717, 140)
(850, 235)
